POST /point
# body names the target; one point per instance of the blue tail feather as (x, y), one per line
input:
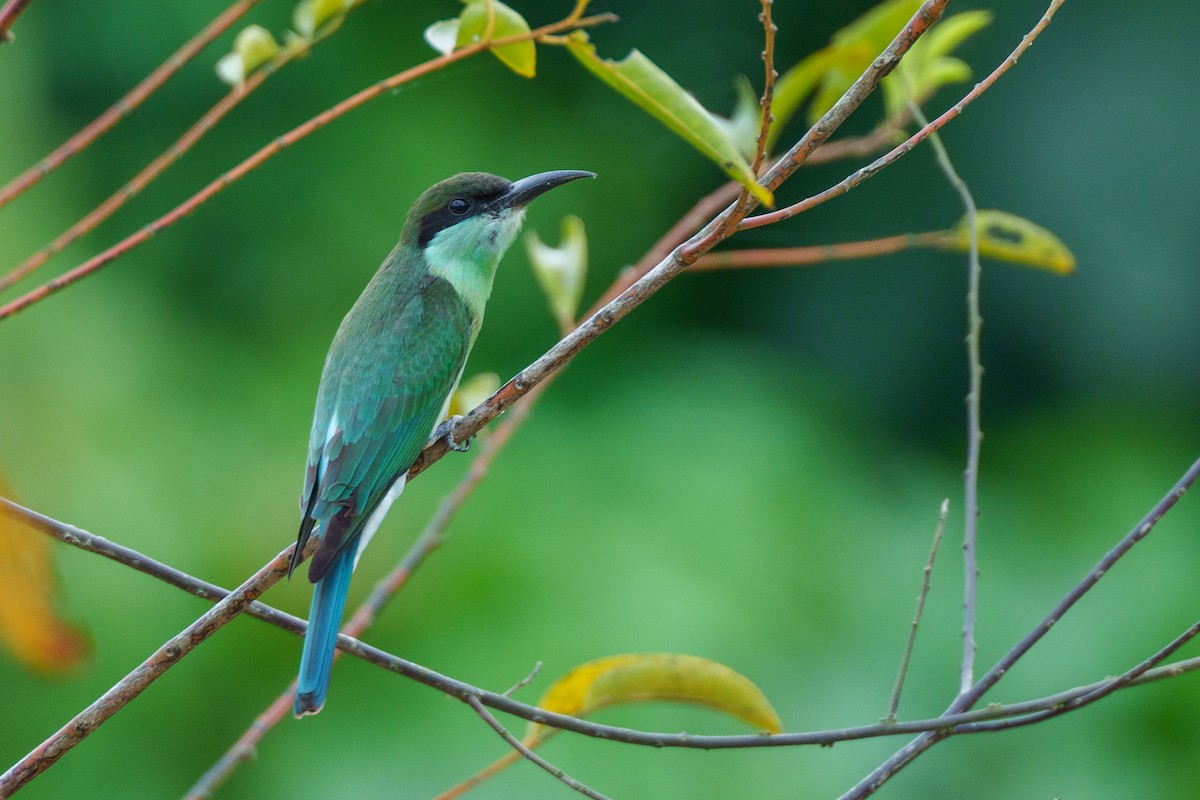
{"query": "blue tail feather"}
(320, 640)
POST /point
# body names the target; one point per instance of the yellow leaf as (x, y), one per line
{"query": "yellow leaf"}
(29, 626)
(310, 16)
(1008, 237)
(640, 677)
(520, 57)
(253, 47)
(655, 92)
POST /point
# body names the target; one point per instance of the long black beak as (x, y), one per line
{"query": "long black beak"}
(526, 189)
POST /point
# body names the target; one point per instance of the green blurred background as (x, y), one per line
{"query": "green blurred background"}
(747, 469)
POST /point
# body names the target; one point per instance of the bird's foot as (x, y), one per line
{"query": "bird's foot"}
(446, 431)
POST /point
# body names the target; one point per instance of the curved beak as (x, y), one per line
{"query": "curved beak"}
(526, 189)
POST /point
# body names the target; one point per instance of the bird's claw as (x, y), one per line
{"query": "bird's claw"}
(446, 431)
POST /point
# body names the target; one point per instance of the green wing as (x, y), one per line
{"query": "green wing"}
(395, 360)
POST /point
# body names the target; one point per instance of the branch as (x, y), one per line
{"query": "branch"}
(92, 543)
(136, 96)
(529, 754)
(822, 253)
(8, 15)
(276, 146)
(912, 634)
(941, 726)
(974, 398)
(965, 700)
(764, 103)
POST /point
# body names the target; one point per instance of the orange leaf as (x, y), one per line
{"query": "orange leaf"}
(29, 625)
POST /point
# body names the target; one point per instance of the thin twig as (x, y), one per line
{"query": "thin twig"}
(822, 253)
(516, 744)
(521, 684)
(135, 97)
(764, 103)
(912, 634)
(973, 401)
(276, 146)
(8, 15)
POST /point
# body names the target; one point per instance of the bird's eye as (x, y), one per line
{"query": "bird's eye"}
(459, 206)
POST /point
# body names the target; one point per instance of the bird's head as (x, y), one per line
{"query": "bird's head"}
(476, 211)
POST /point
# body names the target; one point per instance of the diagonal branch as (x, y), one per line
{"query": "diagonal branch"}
(135, 97)
(50, 751)
(516, 744)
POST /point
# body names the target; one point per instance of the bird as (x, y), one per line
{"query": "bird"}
(387, 381)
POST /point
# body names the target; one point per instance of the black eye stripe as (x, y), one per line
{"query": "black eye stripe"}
(451, 213)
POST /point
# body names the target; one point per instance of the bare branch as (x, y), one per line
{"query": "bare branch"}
(134, 98)
(529, 754)
(81, 726)
(764, 103)
(912, 635)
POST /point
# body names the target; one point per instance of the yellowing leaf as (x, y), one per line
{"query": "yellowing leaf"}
(29, 626)
(640, 677)
(561, 270)
(1008, 237)
(520, 57)
(472, 392)
(655, 92)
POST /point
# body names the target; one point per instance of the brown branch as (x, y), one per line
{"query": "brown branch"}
(8, 15)
(148, 173)
(276, 146)
(822, 253)
(136, 96)
(764, 103)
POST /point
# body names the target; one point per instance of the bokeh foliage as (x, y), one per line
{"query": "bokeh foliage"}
(747, 469)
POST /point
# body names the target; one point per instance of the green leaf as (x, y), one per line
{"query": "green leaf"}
(520, 57)
(1007, 237)
(746, 121)
(655, 92)
(561, 270)
(640, 677)
(855, 46)
(929, 65)
(252, 47)
(794, 87)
